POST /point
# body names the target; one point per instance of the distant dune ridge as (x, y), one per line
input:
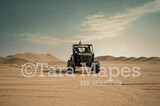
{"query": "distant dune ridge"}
(28, 57)
(111, 59)
(1, 59)
(48, 58)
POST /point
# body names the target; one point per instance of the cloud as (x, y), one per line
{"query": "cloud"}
(111, 26)
(45, 40)
(95, 16)
(99, 26)
(50, 40)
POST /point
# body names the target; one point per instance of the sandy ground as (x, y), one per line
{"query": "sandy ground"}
(16, 90)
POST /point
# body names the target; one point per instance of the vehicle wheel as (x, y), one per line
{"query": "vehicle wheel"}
(71, 64)
(97, 67)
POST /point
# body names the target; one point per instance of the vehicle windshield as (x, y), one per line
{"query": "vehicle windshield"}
(83, 49)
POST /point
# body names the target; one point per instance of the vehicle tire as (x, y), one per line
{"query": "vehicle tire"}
(97, 67)
(71, 64)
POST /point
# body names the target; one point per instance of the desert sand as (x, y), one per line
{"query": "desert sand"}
(16, 90)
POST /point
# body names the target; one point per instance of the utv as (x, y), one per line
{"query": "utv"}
(83, 53)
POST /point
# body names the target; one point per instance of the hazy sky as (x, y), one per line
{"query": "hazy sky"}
(114, 27)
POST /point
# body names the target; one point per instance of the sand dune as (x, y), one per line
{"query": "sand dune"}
(130, 59)
(17, 90)
(1, 59)
(120, 58)
(151, 60)
(105, 58)
(31, 57)
(14, 61)
(28, 57)
(141, 59)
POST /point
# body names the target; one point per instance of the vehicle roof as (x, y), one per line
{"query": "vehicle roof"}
(82, 44)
